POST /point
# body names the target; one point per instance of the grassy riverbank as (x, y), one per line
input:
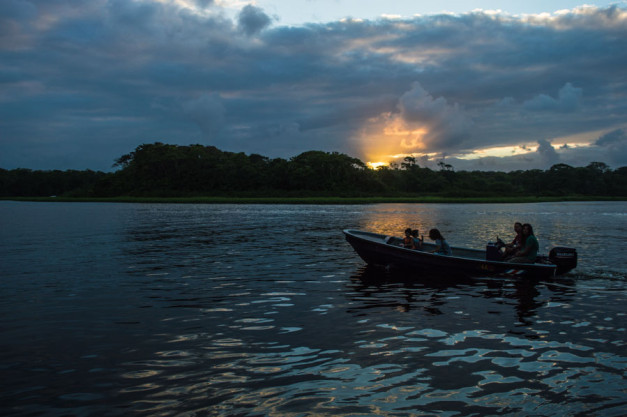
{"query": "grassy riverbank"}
(316, 200)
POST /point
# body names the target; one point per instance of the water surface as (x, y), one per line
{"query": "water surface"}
(125, 309)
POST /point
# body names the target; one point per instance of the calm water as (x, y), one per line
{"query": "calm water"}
(249, 310)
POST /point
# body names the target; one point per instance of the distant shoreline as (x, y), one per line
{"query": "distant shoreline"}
(316, 200)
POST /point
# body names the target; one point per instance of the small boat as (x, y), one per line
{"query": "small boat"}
(388, 251)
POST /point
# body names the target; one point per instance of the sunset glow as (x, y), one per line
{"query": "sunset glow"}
(388, 138)
(499, 151)
(377, 165)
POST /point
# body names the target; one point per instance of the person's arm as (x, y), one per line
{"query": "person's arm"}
(525, 250)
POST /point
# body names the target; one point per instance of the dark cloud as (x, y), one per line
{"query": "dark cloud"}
(17, 11)
(447, 126)
(569, 99)
(204, 3)
(83, 82)
(207, 111)
(613, 146)
(615, 137)
(547, 153)
(253, 20)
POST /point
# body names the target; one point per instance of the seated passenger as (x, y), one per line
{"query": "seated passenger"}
(442, 246)
(517, 244)
(417, 241)
(528, 254)
(408, 240)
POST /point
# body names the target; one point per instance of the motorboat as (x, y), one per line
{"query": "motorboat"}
(388, 251)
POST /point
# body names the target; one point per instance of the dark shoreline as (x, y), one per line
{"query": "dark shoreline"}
(317, 200)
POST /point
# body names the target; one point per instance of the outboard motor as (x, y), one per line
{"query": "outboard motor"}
(565, 258)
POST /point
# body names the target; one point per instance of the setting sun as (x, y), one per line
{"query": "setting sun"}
(388, 138)
(377, 165)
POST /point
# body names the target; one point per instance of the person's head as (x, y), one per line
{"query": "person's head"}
(527, 229)
(518, 227)
(414, 233)
(434, 234)
(407, 232)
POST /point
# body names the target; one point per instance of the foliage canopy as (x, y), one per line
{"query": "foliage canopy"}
(162, 170)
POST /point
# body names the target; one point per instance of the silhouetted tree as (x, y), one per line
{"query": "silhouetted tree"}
(159, 169)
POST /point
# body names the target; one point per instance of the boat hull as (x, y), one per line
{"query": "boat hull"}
(383, 250)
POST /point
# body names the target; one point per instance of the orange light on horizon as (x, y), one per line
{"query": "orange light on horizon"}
(386, 139)
(377, 165)
(391, 142)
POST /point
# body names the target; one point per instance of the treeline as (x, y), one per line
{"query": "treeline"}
(161, 170)
(28, 183)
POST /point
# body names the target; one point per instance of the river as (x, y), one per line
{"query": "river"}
(265, 310)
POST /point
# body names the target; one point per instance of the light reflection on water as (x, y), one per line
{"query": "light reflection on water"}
(265, 310)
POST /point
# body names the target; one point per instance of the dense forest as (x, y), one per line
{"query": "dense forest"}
(161, 170)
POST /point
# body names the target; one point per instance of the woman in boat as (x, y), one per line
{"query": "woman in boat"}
(442, 246)
(417, 241)
(408, 240)
(516, 244)
(528, 254)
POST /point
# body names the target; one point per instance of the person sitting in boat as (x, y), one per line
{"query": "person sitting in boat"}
(408, 240)
(517, 244)
(417, 241)
(442, 246)
(528, 254)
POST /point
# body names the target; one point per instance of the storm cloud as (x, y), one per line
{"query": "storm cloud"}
(252, 20)
(83, 82)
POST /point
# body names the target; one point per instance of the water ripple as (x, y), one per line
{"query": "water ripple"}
(265, 310)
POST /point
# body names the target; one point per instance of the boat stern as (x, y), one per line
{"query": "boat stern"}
(564, 258)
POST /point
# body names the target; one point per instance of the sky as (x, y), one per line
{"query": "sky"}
(480, 85)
